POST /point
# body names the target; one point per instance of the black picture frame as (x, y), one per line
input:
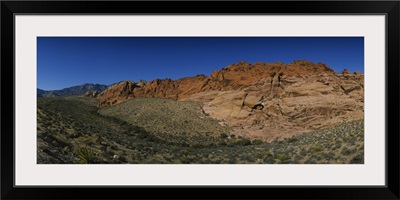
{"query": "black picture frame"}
(389, 8)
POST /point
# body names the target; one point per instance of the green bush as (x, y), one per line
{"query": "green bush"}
(185, 152)
(244, 142)
(346, 151)
(86, 156)
(223, 135)
(257, 142)
(291, 140)
(358, 159)
(282, 157)
(316, 148)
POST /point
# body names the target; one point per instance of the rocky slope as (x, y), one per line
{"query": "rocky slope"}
(72, 130)
(262, 100)
(169, 120)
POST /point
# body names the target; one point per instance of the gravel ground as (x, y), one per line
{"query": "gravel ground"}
(73, 130)
(168, 119)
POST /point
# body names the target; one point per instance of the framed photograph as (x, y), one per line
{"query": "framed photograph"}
(274, 100)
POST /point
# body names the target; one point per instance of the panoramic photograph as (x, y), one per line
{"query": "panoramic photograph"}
(200, 100)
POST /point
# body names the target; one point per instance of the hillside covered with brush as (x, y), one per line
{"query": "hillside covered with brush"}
(73, 130)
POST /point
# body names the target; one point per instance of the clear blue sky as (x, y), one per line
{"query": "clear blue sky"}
(68, 61)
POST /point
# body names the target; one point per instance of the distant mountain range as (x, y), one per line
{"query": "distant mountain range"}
(72, 91)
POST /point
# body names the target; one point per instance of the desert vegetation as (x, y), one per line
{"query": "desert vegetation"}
(175, 122)
(73, 130)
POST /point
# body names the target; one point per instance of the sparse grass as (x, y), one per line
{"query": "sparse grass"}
(175, 122)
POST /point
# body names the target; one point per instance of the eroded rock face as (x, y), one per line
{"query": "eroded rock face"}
(262, 100)
(117, 93)
(91, 94)
(298, 104)
(282, 116)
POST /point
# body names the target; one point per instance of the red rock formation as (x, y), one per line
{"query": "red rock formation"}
(117, 93)
(234, 77)
(91, 94)
(262, 100)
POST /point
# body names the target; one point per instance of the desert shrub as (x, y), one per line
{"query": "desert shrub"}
(316, 148)
(223, 135)
(257, 142)
(215, 161)
(114, 147)
(269, 160)
(222, 143)
(248, 157)
(244, 142)
(303, 152)
(358, 159)
(185, 152)
(291, 140)
(310, 161)
(337, 145)
(282, 157)
(196, 145)
(267, 154)
(232, 161)
(122, 158)
(259, 155)
(231, 144)
(346, 151)
(86, 156)
(296, 159)
(329, 156)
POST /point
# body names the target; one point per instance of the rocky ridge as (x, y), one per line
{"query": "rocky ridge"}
(72, 91)
(261, 100)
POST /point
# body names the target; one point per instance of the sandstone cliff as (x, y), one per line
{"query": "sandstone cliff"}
(262, 100)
